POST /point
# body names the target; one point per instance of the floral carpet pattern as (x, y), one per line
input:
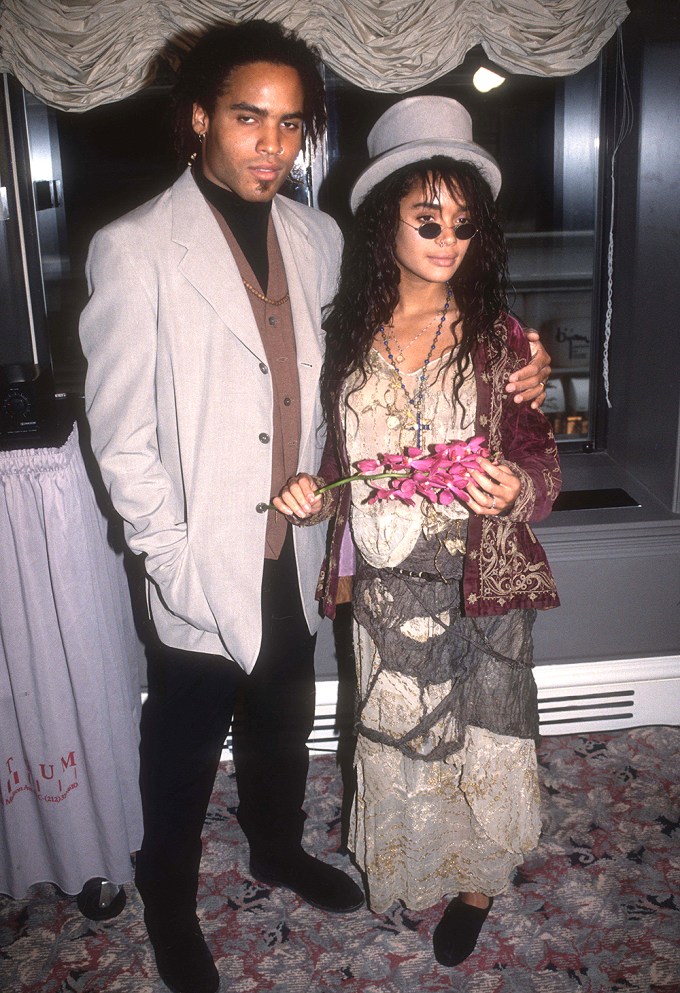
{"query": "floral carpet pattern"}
(595, 908)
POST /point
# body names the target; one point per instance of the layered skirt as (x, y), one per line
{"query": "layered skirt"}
(447, 790)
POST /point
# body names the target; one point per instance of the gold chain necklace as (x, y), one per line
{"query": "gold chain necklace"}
(416, 401)
(263, 296)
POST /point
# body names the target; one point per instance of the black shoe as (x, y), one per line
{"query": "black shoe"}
(455, 936)
(318, 883)
(183, 959)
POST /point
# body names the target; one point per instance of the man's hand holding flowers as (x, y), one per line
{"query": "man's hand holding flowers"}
(299, 497)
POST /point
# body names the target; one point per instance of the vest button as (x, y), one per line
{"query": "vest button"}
(263, 368)
(262, 508)
(264, 438)
(287, 401)
(273, 321)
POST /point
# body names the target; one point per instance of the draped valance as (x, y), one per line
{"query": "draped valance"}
(76, 54)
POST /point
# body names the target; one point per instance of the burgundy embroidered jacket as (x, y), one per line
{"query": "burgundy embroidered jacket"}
(505, 566)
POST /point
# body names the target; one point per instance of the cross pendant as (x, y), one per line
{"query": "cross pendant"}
(420, 428)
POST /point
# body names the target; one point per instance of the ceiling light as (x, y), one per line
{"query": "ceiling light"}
(485, 80)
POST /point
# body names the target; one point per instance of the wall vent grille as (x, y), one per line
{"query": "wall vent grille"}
(576, 709)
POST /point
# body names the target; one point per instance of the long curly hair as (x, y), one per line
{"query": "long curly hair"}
(369, 278)
(205, 72)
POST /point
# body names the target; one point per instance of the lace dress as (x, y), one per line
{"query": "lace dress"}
(447, 789)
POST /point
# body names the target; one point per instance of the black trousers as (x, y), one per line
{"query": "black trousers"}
(192, 700)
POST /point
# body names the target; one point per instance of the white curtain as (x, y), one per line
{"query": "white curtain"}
(76, 54)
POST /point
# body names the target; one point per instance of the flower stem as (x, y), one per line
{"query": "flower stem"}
(353, 479)
(361, 475)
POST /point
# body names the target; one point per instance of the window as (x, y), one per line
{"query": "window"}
(543, 132)
(545, 135)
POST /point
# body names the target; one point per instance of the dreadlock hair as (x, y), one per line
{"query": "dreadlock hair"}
(369, 277)
(206, 71)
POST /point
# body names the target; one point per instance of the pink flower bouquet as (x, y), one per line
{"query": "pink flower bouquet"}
(439, 476)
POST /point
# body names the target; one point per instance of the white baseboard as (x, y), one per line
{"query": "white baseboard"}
(587, 696)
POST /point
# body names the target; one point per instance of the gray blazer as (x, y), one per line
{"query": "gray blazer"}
(179, 400)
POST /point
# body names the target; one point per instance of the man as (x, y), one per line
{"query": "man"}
(204, 346)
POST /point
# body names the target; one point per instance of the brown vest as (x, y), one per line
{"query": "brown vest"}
(275, 325)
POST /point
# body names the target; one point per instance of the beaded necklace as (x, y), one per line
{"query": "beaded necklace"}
(263, 296)
(416, 401)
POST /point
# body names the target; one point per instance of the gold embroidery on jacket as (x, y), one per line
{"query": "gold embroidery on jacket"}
(504, 570)
(551, 476)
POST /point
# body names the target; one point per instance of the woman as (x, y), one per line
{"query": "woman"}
(420, 345)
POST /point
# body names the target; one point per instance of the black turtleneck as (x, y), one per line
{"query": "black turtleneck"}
(248, 222)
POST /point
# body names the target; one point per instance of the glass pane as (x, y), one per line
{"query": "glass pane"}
(15, 337)
(102, 163)
(549, 203)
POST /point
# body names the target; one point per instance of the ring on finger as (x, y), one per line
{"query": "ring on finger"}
(493, 504)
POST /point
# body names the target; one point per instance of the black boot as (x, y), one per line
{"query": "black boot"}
(183, 959)
(455, 936)
(318, 883)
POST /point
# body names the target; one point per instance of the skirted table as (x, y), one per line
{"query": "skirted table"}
(69, 681)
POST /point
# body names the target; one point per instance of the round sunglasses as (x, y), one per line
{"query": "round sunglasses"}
(432, 229)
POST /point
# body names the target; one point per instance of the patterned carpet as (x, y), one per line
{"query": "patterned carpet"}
(595, 908)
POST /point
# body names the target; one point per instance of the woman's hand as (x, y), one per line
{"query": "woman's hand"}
(493, 488)
(528, 384)
(298, 497)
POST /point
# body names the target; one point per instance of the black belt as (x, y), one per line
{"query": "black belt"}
(428, 577)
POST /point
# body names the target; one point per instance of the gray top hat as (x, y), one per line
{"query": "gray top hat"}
(419, 128)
